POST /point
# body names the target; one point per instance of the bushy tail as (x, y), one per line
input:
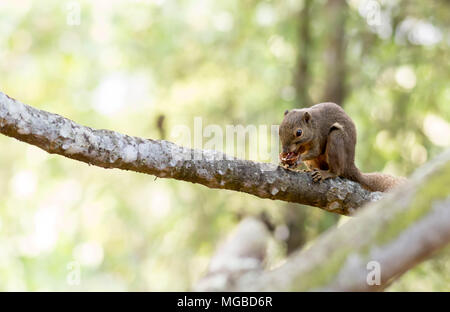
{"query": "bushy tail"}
(380, 182)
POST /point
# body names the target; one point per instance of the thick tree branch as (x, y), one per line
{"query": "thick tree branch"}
(244, 250)
(397, 232)
(108, 149)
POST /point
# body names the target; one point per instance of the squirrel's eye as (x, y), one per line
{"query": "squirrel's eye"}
(299, 132)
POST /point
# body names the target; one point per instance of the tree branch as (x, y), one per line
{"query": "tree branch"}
(243, 251)
(108, 149)
(399, 231)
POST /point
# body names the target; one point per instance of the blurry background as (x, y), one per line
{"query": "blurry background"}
(143, 67)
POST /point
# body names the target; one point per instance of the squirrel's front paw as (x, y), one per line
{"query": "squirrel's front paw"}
(320, 175)
(316, 175)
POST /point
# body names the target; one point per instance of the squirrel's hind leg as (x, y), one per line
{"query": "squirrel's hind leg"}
(335, 151)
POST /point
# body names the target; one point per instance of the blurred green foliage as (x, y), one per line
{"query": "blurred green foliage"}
(120, 64)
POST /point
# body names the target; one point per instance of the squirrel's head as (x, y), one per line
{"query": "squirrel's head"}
(296, 130)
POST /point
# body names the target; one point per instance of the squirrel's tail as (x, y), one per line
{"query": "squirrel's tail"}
(380, 182)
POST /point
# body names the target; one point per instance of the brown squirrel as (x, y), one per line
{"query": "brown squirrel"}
(324, 137)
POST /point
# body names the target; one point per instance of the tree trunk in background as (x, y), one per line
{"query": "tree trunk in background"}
(301, 77)
(336, 12)
(295, 217)
(335, 16)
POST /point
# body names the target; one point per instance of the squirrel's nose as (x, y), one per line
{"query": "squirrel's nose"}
(292, 147)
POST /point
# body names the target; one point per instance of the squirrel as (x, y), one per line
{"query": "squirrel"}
(323, 137)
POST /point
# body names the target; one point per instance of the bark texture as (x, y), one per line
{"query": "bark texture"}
(108, 149)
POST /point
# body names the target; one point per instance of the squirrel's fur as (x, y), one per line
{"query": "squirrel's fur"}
(327, 145)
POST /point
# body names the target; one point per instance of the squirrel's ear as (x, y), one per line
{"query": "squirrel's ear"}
(307, 116)
(286, 112)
